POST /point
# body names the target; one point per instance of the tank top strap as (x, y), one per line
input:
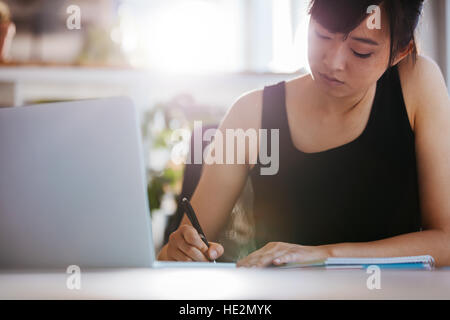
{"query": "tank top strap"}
(274, 111)
(390, 114)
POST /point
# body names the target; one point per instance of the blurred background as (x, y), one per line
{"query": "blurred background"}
(179, 60)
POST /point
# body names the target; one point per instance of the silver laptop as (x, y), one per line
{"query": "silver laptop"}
(73, 188)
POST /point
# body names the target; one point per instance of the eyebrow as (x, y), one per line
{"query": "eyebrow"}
(366, 40)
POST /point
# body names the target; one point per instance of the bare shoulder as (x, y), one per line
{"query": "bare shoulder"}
(423, 84)
(297, 87)
(422, 75)
(245, 112)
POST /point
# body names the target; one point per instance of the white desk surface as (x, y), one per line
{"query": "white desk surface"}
(211, 284)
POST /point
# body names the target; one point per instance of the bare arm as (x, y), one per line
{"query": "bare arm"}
(221, 184)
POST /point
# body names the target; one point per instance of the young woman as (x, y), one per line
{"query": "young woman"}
(364, 149)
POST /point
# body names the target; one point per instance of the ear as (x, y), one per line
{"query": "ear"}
(403, 54)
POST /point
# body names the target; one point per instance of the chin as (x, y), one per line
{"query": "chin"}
(337, 93)
(334, 91)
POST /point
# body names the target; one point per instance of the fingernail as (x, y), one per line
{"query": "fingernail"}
(213, 254)
(277, 260)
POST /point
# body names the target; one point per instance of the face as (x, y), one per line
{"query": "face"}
(347, 66)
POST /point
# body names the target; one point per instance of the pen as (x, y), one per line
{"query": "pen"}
(193, 218)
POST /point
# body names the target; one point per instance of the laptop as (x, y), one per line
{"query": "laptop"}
(73, 188)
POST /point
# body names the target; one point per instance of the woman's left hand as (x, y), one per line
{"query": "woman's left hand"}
(278, 253)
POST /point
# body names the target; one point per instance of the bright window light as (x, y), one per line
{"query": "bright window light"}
(289, 46)
(210, 36)
(188, 37)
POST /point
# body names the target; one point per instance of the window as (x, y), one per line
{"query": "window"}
(214, 35)
(289, 35)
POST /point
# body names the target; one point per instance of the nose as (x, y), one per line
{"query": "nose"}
(335, 59)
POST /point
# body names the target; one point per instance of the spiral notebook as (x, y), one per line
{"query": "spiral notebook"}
(425, 262)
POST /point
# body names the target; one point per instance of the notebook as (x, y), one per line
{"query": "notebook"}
(425, 262)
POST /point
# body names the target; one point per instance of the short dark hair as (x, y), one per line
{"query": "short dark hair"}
(342, 16)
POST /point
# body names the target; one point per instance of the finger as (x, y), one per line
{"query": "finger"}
(192, 237)
(192, 252)
(267, 260)
(281, 260)
(215, 250)
(286, 258)
(246, 264)
(179, 255)
(260, 259)
(273, 253)
(263, 254)
(248, 260)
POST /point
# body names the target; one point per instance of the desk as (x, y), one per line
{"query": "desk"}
(225, 284)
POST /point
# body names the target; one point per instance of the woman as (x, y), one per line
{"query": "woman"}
(364, 149)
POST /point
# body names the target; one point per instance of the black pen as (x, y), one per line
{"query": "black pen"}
(193, 218)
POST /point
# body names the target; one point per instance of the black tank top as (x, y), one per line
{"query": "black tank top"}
(361, 191)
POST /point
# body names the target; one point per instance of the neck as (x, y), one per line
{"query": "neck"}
(340, 106)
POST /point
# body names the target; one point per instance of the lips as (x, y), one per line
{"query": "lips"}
(330, 79)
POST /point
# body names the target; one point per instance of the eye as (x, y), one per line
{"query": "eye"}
(322, 36)
(362, 55)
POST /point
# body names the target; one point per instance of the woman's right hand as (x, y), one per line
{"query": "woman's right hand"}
(185, 244)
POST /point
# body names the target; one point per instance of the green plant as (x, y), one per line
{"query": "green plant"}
(164, 182)
(167, 180)
(159, 123)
